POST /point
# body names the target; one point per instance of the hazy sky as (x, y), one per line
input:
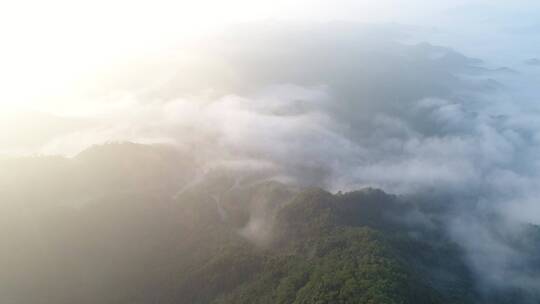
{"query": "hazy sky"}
(86, 58)
(48, 47)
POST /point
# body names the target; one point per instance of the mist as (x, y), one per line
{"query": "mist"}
(413, 111)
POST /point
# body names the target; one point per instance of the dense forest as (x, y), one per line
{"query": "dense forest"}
(119, 223)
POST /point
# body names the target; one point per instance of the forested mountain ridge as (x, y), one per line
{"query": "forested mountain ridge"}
(150, 234)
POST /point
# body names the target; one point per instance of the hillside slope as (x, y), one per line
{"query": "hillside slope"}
(138, 239)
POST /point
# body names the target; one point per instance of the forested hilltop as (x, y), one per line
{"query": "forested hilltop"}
(129, 223)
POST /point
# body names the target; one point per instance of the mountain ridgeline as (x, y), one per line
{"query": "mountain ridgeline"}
(128, 223)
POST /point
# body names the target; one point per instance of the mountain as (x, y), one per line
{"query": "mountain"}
(130, 223)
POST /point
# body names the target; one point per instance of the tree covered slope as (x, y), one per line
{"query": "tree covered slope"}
(149, 234)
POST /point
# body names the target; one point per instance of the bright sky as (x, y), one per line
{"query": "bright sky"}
(47, 47)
